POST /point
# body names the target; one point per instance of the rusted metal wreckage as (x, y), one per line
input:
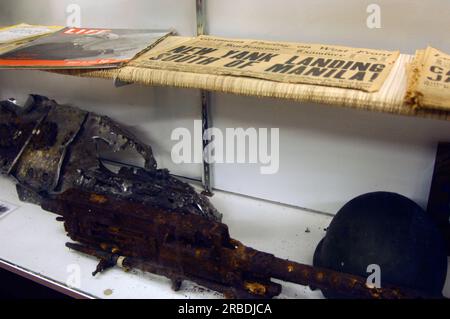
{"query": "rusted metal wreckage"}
(142, 218)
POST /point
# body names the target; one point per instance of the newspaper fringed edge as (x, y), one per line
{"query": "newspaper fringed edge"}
(420, 94)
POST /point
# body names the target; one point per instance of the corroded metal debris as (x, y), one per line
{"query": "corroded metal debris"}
(141, 217)
(49, 148)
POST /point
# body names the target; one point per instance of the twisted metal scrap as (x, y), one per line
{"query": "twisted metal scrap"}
(48, 148)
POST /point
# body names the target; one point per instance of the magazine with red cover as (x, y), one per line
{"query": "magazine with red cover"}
(82, 48)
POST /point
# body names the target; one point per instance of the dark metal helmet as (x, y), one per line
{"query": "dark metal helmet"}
(388, 230)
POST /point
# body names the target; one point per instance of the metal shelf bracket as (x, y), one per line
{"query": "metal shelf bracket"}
(205, 103)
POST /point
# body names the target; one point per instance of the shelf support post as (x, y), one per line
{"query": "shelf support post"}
(205, 104)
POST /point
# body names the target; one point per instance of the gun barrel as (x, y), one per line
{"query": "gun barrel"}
(345, 284)
(353, 286)
(177, 276)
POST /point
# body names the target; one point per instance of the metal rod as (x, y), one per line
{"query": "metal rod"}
(205, 102)
(200, 6)
(206, 124)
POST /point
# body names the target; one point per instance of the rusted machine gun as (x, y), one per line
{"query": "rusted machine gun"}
(190, 247)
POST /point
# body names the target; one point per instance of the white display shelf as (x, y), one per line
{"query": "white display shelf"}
(32, 245)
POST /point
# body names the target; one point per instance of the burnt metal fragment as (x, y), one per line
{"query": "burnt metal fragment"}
(49, 148)
(17, 127)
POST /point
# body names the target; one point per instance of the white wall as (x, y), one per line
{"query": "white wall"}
(156, 14)
(328, 155)
(405, 24)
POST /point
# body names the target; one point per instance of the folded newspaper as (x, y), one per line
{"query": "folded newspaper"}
(319, 64)
(429, 80)
(82, 48)
(19, 34)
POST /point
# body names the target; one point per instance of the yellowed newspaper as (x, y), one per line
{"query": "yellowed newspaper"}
(319, 64)
(429, 80)
(13, 36)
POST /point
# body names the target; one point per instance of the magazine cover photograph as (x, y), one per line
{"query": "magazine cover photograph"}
(78, 47)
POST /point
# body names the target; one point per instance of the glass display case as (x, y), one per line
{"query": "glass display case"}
(306, 149)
